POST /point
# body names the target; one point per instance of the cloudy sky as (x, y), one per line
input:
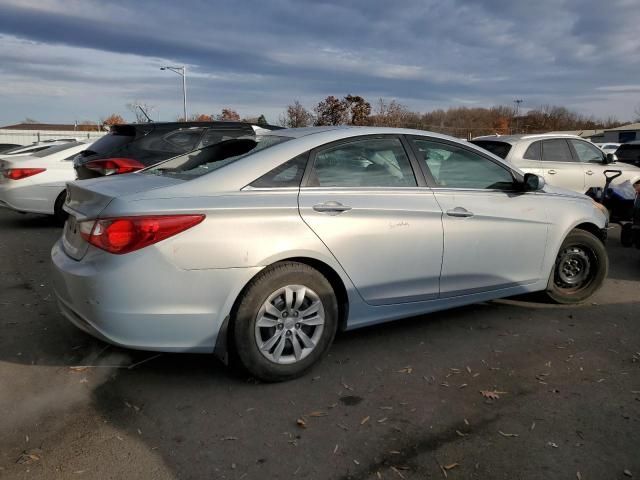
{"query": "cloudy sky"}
(66, 60)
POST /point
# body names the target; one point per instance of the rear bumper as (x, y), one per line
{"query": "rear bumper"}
(144, 302)
(29, 198)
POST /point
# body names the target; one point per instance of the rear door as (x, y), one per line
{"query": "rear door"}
(363, 200)
(494, 236)
(560, 167)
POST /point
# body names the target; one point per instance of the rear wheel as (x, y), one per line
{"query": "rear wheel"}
(58, 210)
(580, 269)
(285, 322)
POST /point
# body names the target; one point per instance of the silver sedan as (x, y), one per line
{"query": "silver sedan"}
(260, 249)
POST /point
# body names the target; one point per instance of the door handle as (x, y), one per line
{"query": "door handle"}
(331, 207)
(551, 172)
(589, 172)
(459, 212)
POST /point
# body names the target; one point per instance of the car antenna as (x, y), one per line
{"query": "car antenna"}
(144, 113)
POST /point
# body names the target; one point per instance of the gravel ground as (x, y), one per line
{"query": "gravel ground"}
(396, 401)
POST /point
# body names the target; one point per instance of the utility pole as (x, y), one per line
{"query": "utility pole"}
(517, 101)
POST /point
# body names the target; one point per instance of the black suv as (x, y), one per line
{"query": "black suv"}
(131, 147)
(629, 153)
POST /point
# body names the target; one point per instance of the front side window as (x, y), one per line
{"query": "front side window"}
(586, 152)
(375, 162)
(455, 167)
(556, 150)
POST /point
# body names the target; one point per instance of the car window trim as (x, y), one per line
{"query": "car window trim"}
(250, 187)
(313, 153)
(431, 182)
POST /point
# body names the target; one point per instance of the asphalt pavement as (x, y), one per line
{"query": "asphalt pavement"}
(510, 389)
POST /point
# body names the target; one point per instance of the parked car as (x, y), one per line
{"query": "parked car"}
(608, 147)
(4, 147)
(265, 246)
(36, 182)
(128, 148)
(629, 153)
(565, 161)
(35, 147)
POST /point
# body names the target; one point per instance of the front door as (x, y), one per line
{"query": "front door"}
(362, 199)
(593, 162)
(494, 237)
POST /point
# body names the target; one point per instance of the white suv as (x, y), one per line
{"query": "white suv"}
(566, 161)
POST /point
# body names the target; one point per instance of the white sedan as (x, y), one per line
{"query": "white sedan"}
(36, 183)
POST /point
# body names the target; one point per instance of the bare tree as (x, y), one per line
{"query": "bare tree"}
(296, 116)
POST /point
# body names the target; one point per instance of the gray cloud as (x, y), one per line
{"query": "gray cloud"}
(259, 56)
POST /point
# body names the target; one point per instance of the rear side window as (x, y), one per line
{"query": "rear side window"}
(501, 149)
(206, 160)
(556, 150)
(289, 174)
(112, 142)
(534, 152)
(375, 162)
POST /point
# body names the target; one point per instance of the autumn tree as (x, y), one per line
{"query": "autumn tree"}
(357, 110)
(113, 119)
(200, 117)
(228, 115)
(331, 111)
(296, 116)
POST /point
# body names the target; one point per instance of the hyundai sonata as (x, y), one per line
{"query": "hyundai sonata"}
(264, 247)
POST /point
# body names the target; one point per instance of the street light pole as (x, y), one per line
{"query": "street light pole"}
(182, 71)
(517, 101)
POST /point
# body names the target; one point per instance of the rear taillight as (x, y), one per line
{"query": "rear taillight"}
(126, 234)
(114, 166)
(19, 173)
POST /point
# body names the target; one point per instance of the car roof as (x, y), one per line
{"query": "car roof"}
(177, 125)
(513, 139)
(338, 132)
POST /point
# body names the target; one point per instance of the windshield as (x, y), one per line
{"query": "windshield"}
(501, 149)
(58, 148)
(208, 159)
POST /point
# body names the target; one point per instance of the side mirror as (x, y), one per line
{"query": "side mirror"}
(610, 158)
(533, 182)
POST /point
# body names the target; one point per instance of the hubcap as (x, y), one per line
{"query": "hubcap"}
(573, 268)
(289, 324)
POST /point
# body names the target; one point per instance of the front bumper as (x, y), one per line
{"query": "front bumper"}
(142, 301)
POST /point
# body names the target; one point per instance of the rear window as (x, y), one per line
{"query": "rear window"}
(56, 149)
(206, 160)
(112, 142)
(500, 149)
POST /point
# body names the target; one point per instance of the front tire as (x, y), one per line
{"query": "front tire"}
(580, 268)
(285, 322)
